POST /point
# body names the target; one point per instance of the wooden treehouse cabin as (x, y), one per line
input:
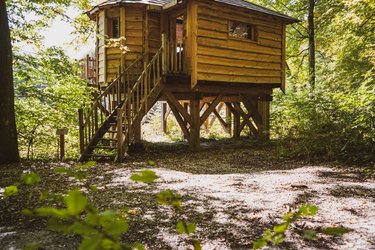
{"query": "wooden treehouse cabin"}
(202, 54)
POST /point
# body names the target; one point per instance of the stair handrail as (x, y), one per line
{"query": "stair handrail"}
(98, 113)
(137, 96)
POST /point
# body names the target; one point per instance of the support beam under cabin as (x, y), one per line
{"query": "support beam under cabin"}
(196, 124)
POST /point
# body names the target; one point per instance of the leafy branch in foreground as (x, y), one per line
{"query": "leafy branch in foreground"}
(172, 199)
(278, 233)
(73, 213)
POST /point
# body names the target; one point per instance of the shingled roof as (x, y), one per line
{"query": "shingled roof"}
(239, 3)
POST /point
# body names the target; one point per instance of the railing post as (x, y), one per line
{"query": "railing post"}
(119, 135)
(119, 86)
(164, 54)
(81, 131)
(145, 95)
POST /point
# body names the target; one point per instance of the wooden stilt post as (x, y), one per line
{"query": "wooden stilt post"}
(195, 128)
(119, 135)
(186, 107)
(264, 110)
(164, 117)
(236, 125)
(137, 132)
(81, 131)
(228, 119)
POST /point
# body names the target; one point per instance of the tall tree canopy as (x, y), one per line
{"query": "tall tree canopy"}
(336, 119)
(21, 22)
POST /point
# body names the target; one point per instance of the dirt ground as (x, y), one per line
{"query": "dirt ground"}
(232, 191)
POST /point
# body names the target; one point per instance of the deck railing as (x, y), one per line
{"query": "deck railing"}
(88, 69)
(175, 57)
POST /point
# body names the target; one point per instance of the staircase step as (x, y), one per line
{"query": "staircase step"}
(104, 147)
(106, 139)
(102, 156)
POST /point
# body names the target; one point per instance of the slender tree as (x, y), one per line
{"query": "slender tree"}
(311, 30)
(8, 133)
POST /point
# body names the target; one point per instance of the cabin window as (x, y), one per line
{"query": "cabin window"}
(242, 30)
(113, 27)
(180, 29)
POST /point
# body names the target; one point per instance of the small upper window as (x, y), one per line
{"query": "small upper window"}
(113, 27)
(242, 30)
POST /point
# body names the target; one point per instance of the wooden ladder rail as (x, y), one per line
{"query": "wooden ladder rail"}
(137, 100)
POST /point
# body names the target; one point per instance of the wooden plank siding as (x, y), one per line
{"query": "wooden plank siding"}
(132, 28)
(113, 55)
(101, 48)
(154, 33)
(225, 59)
(134, 32)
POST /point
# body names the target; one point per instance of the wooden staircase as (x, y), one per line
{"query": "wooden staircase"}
(108, 127)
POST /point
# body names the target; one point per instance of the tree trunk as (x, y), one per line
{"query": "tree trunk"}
(311, 43)
(8, 132)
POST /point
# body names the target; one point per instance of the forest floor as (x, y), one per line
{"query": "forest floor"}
(232, 191)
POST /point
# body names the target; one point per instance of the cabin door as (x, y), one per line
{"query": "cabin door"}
(176, 43)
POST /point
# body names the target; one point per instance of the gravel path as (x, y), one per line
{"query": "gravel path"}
(232, 192)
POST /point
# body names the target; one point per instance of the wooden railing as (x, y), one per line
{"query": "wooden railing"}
(88, 69)
(175, 57)
(106, 104)
(137, 100)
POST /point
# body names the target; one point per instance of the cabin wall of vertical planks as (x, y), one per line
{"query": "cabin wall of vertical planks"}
(225, 59)
(111, 59)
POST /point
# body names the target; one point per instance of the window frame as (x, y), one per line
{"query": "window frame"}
(110, 27)
(254, 31)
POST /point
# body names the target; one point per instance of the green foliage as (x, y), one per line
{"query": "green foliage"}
(335, 119)
(30, 178)
(170, 198)
(26, 178)
(75, 202)
(48, 90)
(185, 228)
(335, 230)
(10, 190)
(145, 176)
(78, 172)
(48, 94)
(74, 214)
(278, 233)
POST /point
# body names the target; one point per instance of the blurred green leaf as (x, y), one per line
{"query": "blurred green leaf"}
(281, 228)
(259, 244)
(10, 190)
(151, 163)
(185, 228)
(30, 178)
(146, 176)
(335, 230)
(308, 210)
(85, 165)
(75, 202)
(82, 229)
(91, 243)
(170, 198)
(197, 245)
